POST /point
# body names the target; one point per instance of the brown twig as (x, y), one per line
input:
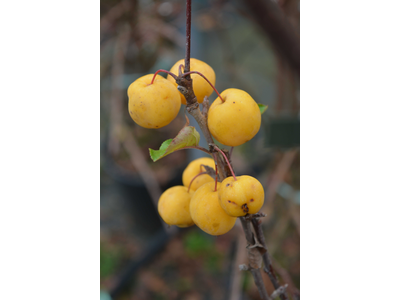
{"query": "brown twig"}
(267, 262)
(254, 256)
(188, 35)
(279, 291)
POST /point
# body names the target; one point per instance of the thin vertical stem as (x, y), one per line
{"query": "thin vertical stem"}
(188, 35)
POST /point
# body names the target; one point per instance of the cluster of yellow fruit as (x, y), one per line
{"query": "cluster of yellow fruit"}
(232, 120)
(213, 207)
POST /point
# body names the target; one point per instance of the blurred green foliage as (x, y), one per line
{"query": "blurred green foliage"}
(197, 243)
(200, 244)
(109, 260)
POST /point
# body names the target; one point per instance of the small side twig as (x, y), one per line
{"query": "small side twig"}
(281, 290)
(287, 278)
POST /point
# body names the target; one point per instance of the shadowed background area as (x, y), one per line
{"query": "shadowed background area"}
(251, 45)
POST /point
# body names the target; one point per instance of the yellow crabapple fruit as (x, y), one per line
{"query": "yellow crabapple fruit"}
(173, 206)
(206, 212)
(242, 196)
(201, 87)
(194, 168)
(236, 120)
(153, 105)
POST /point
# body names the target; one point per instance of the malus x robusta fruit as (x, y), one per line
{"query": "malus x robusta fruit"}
(242, 196)
(153, 105)
(236, 120)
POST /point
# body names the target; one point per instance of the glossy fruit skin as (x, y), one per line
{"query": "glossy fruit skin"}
(173, 206)
(235, 121)
(206, 212)
(195, 168)
(153, 105)
(201, 87)
(241, 197)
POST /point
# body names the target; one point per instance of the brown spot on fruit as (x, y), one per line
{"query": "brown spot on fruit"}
(227, 184)
(215, 225)
(251, 200)
(245, 208)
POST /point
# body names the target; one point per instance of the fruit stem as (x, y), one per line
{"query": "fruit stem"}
(195, 72)
(190, 184)
(227, 160)
(165, 71)
(230, 152)
(180, 69)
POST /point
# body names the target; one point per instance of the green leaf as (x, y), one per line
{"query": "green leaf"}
(188, 136)
(262, 107)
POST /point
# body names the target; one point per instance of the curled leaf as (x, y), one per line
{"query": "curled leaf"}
(262, 107)
(187, 137)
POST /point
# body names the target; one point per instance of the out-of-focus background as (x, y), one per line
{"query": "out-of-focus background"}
(251, 45)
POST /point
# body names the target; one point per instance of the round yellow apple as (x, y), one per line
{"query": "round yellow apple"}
(242, 196)
(173, 206)
(193, 169)
(153, 105)
(236, 120)
(206, 212)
